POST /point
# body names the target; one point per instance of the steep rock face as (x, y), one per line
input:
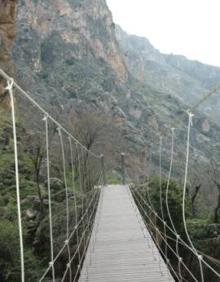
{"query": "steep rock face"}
(138, 54)
(208, 76)
(7, 35)
(85, 23)
(68, 50)
(171, 74)
(7, 30)
(150, 66)
(68, 58)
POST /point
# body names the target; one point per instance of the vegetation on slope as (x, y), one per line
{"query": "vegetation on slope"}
(34, 201)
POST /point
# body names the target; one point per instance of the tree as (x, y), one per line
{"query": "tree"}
(36, 149)
(195, 186)
(97, 133)
(214, 173)
(193, 198)
(93, 129)
(174, 201)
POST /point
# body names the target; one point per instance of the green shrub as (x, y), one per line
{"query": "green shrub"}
(9, 246)
(114, 178)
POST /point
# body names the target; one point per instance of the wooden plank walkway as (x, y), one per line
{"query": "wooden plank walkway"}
(121, 248)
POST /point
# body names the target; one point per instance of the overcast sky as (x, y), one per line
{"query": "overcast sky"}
(186, 27)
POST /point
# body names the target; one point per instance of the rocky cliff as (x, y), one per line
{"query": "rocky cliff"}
(74, 23)
(68, 56)
(184, 79)
(7, 36)
(68, 50)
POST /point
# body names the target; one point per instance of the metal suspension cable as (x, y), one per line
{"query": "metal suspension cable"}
(180, 239)
(9, 88)
(160, 178)
(97, 219)
(161, 194)
(85, 185)
(45, 113)
(158, 246)
(200, 258)
(86, 175)
(180, 277)
(150, 242)
(161, 191)
(67, 202)
(83, 236)
(180, 260)
(49, 199)
(74, 194)
(70, 237)
(168, 181)
(167, 202)
(163, 237)
(170, 229)
(147, 190)
(149, 198)
(93, 234)
(205, 98)
(87, 241)
(208, 257)
(81, 181)
(190, 116)
(210, 93)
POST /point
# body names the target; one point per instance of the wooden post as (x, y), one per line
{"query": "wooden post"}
(103, 169)
(123, 167)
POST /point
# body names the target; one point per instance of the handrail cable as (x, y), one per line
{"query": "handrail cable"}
(161, 191)
(83, 236)
(171, 230)
(184, 196)
(10, 83)
(164, 239)
(45, 119)
(71, 235)
(67, 202)
(44, 112)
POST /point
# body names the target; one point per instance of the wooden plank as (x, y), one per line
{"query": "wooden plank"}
(121, 249)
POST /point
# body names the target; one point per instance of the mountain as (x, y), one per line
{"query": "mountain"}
(68, 58)
(172, 74)
(61, 42)
(73, 60)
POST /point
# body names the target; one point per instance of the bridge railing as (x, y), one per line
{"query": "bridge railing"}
(66, 177)
(173, 239)
(57, 187)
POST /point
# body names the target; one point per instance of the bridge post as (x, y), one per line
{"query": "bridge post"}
(103, 169)
(123, 167)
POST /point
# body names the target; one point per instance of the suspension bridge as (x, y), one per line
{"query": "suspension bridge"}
(112, 233)
(121, 248)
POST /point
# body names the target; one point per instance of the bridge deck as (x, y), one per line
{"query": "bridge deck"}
(121, 248)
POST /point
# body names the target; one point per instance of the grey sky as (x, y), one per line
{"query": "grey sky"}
(186, 27)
